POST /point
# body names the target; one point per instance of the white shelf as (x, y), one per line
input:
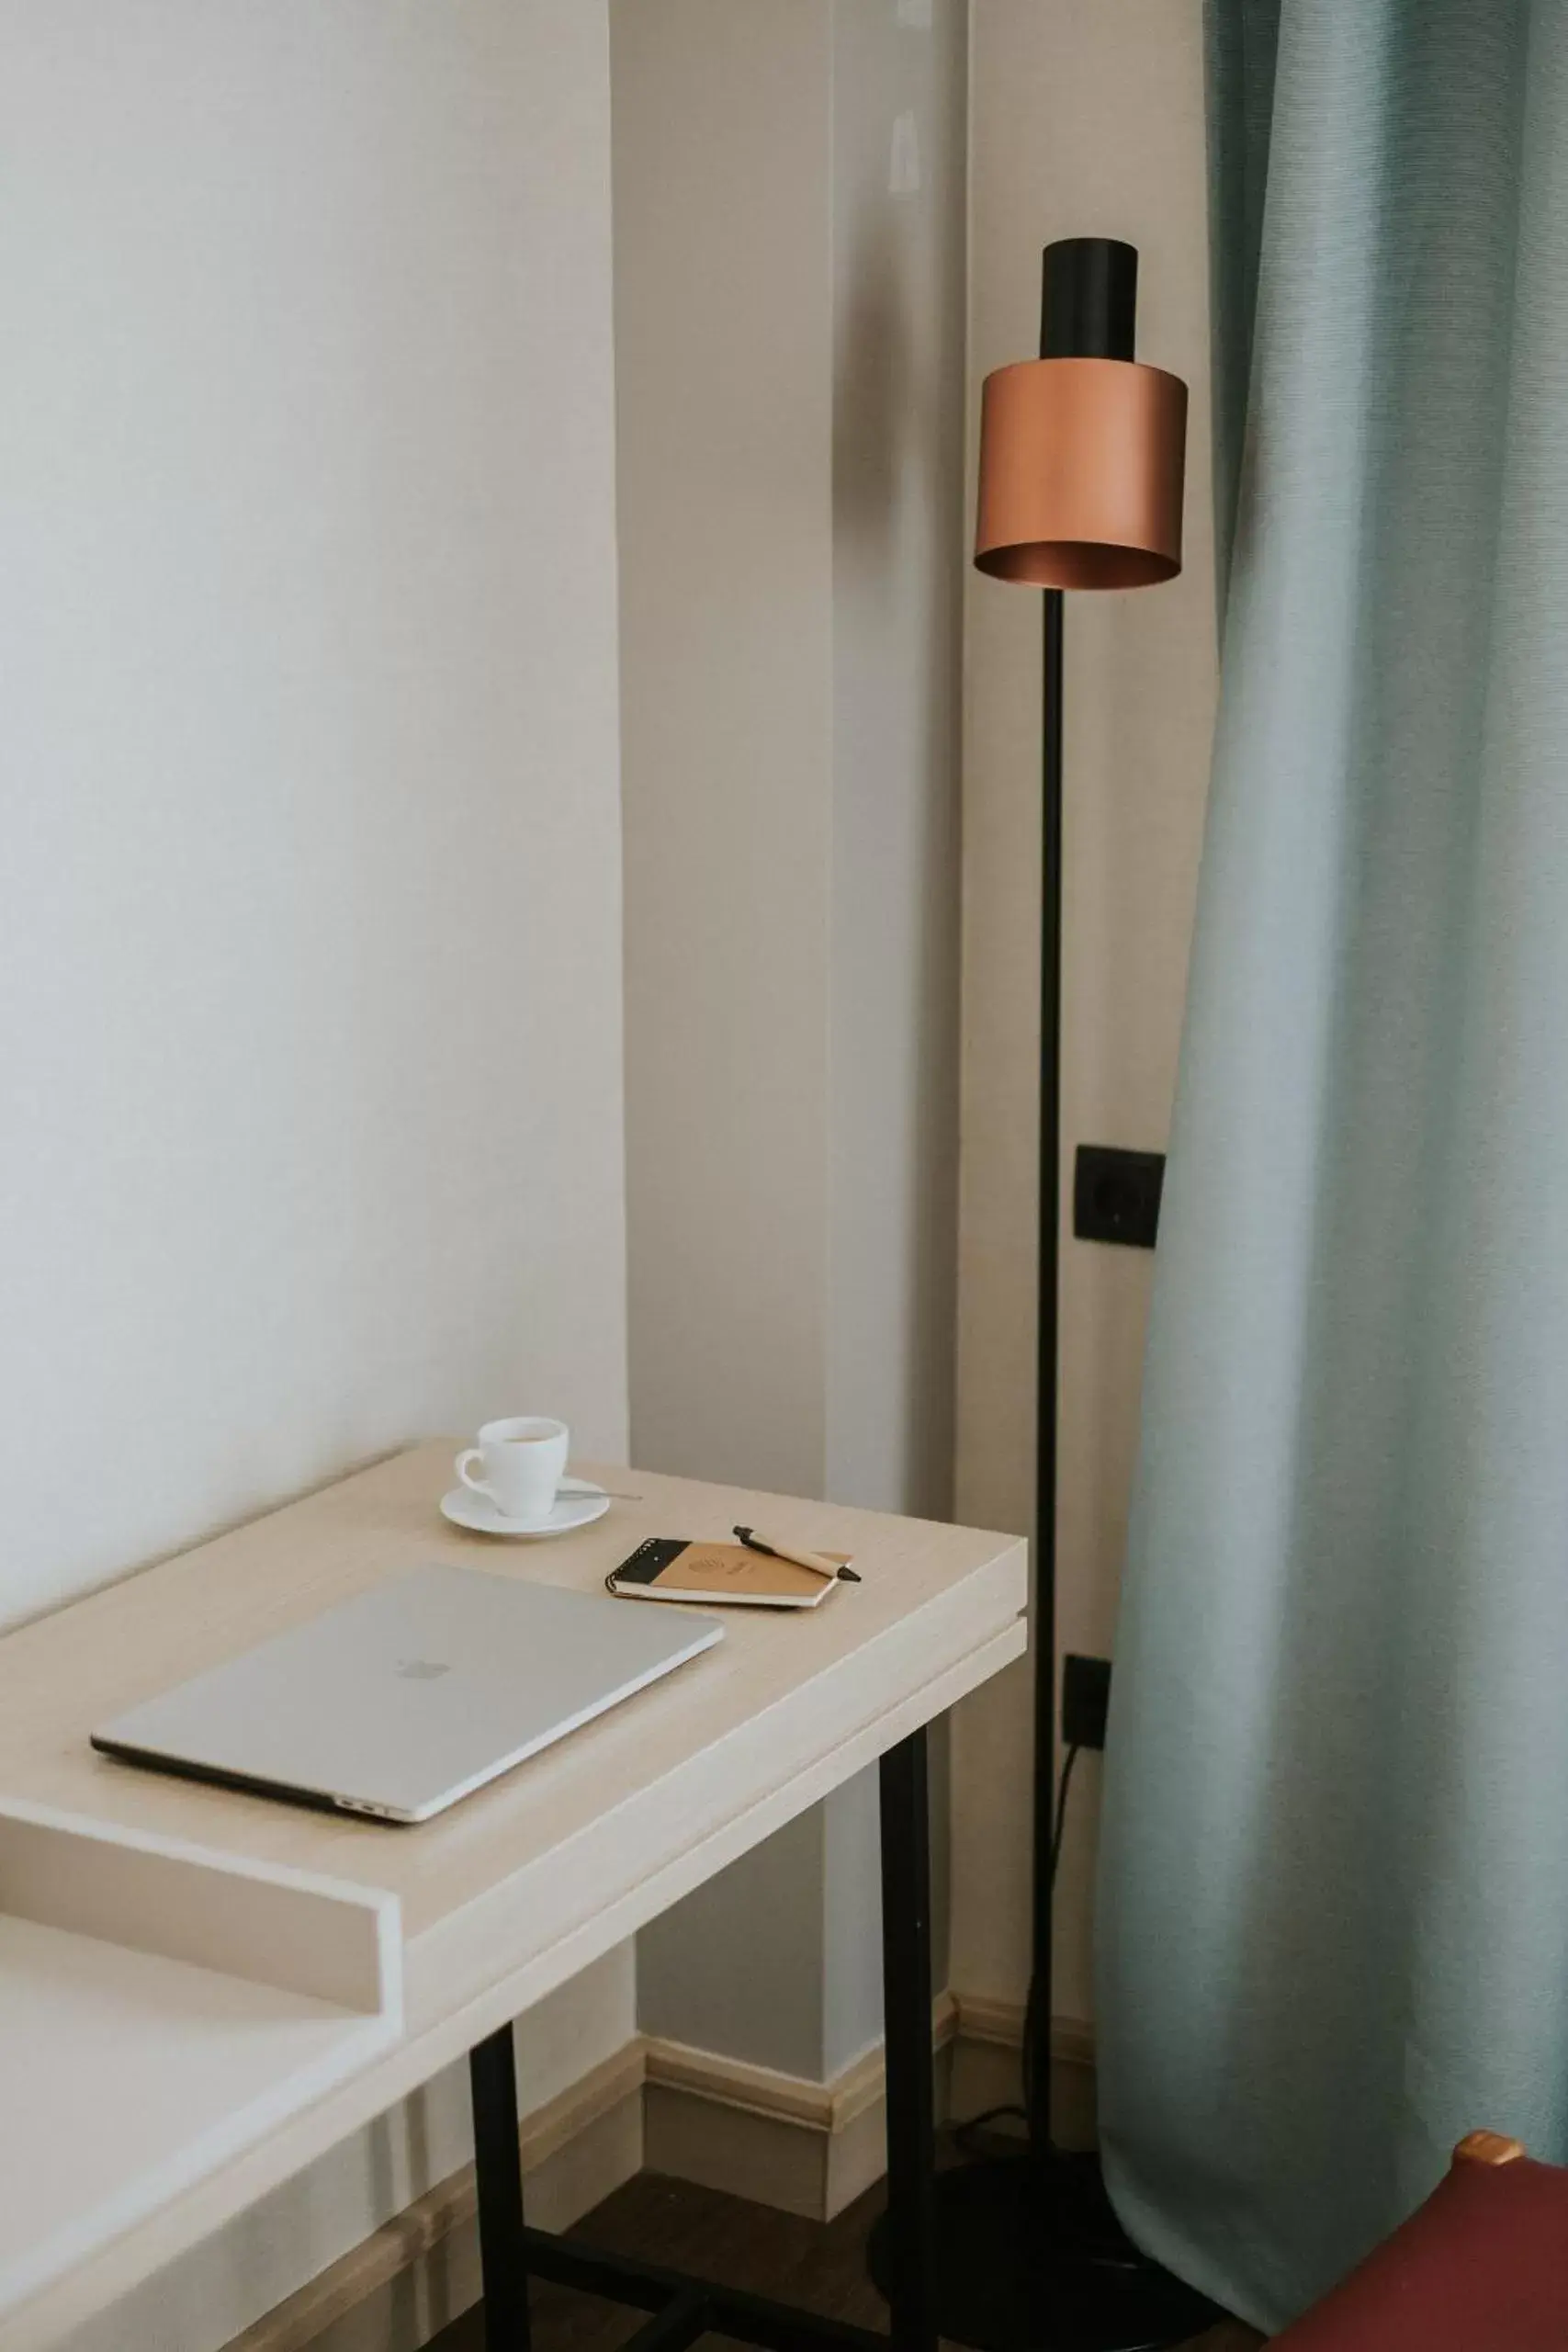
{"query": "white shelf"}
(162, 2008)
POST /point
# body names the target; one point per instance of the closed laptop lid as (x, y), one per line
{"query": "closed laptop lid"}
(407, 1697)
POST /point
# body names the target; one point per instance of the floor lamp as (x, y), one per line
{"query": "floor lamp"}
(1080, 488)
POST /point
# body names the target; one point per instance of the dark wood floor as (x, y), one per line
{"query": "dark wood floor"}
(821, 2266)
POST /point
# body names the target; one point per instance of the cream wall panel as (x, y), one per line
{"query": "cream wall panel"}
(789, 271)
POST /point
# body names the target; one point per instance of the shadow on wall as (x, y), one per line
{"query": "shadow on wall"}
(876, 424)
(898, 570)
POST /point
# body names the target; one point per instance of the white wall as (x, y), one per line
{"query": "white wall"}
(309, 1018)
(1084, 121)
(309, 960)
(789, 329)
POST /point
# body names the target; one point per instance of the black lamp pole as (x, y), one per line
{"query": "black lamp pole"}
(1029, 2256)
(1037, 2037)
(1089, 295)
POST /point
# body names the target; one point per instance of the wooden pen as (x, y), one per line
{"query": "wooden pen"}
(817, 1562)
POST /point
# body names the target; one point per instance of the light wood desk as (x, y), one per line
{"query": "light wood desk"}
(520, 1886)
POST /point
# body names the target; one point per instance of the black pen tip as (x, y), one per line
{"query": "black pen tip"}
(848, 1576)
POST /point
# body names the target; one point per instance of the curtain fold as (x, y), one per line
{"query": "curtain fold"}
(1240, 47)
(1333, 1922)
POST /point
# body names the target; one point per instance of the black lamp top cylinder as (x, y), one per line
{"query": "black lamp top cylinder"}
(1089, 300)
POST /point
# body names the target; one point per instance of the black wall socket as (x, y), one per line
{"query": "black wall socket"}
(1086, 1700)
(1116, 1194)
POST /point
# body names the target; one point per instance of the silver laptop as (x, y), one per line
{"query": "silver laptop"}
(407, 1697)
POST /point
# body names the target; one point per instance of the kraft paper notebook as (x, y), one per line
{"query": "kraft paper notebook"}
(669, 1568)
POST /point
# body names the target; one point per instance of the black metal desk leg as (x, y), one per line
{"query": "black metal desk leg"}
(498, 2168)
(907, 2002)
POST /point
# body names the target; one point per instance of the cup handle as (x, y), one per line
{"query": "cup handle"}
(472, 1453)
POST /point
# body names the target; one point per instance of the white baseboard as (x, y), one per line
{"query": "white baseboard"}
(781, 2140)
(807, 2147)
(813, 2148)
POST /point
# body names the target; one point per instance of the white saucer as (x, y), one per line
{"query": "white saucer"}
(577, 1504)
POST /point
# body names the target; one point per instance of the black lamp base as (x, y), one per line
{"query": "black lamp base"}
(1031, 2258)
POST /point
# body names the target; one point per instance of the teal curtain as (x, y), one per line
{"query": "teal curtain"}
(1334, 1906)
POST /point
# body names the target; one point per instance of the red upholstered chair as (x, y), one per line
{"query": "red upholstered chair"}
(1480, 2266)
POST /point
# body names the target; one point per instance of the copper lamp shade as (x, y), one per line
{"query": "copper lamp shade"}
(1081, 450)
(1081, 474)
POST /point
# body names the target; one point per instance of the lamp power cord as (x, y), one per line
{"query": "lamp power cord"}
(963, 2133)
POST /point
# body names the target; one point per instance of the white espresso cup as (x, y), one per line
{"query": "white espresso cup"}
(524, 1461)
